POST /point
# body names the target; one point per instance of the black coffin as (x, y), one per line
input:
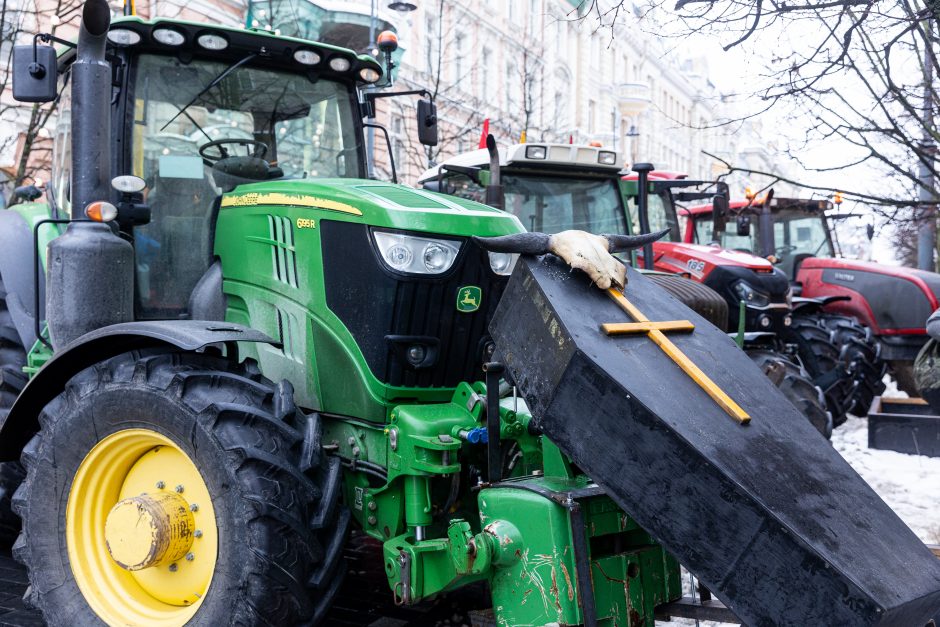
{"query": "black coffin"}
(766, 514)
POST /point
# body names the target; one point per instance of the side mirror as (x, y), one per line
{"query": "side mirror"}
(28, 193)
(34, 77)
(427, 123)
(720, 210)
(744, 225)
(470, 172)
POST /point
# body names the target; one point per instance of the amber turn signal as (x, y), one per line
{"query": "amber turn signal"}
(101, 211)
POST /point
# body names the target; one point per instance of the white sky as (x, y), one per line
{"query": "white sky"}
(741, 68)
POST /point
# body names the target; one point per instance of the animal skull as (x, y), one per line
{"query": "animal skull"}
(579, 249)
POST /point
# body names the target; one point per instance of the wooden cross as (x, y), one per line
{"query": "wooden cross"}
(656, 331)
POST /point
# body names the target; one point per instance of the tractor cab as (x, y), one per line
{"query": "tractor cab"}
(549, 187)
(198, 110)
(789, 231)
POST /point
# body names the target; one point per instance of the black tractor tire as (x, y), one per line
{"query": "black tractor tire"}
(791, 379)
(825, 364)
(860, 351)
(12, 381)
(698, 297)
(276, 496)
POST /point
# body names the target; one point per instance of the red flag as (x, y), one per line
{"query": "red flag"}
(570, 139)
(486, 131)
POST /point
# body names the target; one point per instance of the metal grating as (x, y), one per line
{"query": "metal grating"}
(282, 249)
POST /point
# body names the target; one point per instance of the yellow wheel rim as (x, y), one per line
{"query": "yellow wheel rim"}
(141, 531)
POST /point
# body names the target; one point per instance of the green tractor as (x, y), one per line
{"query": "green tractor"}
(250, 347)
(237, 348)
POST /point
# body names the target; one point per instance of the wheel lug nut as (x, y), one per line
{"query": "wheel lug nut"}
(160, 485)
(194, 508)
(179, 488)
(173, 568)
(197, 533)
(190, 557)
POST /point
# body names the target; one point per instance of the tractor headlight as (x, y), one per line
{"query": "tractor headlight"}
(369, 74)
(306, 57)
(416, 255)
(169, 37)
(535, 152)
(605, 157)
(211, 41)
(340, 64)
(751, 296)
(123, 37)
(503, 263)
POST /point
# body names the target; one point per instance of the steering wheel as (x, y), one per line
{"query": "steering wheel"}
(260, 149)
(783, 250)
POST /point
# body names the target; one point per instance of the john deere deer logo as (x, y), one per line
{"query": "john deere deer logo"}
(469, 298)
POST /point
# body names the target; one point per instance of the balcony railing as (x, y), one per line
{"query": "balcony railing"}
(633, 98)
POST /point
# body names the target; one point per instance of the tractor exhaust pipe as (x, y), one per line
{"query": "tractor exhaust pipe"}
(91, 110)
(495, 194)
(90, 281)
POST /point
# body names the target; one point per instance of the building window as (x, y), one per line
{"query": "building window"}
(592, 107)
(434, 45)
(398, 142)
(459, 67)
(486, 88)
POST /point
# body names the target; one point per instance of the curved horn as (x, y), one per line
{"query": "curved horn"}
(522, 243)
(623, 243)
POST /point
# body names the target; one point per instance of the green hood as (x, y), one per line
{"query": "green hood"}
(379, 204)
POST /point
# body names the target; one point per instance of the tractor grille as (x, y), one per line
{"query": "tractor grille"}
(382, 309)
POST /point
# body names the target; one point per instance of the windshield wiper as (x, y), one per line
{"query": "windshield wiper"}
(215, 81)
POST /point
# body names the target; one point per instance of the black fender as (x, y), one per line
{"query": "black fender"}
(805, 306)
(16, 270)
(22, 423)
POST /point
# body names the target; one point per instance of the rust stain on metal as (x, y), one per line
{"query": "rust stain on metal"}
(554, 590)
(564, 571)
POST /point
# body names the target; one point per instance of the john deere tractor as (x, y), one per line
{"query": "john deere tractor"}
(246, 348)
(250, 347)
(554, 187)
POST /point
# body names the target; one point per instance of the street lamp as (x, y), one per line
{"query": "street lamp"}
(403, 7)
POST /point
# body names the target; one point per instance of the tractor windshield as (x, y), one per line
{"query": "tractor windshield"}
(662, 215)
(302, 128)
(251, 125)
(799, 234)
(728, 239)
(553, 203)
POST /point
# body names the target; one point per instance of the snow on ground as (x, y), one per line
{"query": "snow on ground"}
(909, 484)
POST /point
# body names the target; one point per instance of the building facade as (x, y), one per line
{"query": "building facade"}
(538, 69)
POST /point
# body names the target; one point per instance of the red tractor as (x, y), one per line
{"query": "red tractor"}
(770, 311)
(891, 303)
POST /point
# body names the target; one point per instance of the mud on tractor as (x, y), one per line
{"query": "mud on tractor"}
(247, 348)
(557, 187)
